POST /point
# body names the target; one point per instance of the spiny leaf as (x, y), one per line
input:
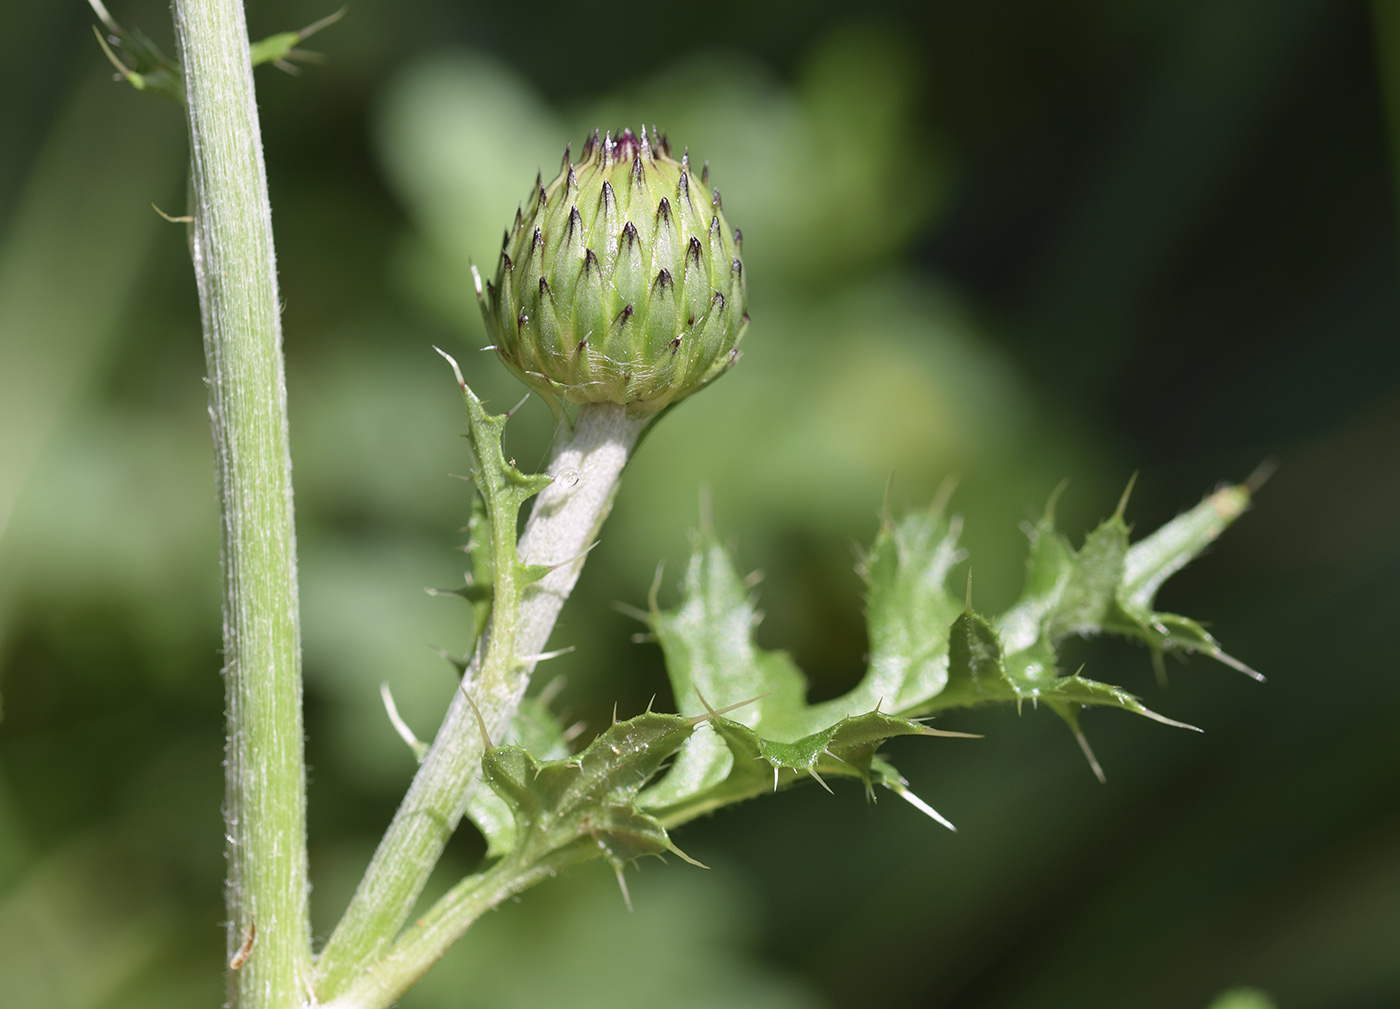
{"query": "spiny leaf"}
(778, 738)
(587, 802)
(537, 731)
(929, 651)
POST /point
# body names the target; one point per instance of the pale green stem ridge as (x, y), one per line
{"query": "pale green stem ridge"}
(231, 243)
(563, 523)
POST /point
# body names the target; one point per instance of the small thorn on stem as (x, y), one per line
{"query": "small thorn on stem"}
(480, 722)
(539, 657)
(419, 748)
(818, 779)
(186, 219)
(250, 937)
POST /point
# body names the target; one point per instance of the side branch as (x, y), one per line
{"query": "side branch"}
(563, 523)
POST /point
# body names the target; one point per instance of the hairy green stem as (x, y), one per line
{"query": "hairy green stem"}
(265, 779)
(563, 523)
(424, 943)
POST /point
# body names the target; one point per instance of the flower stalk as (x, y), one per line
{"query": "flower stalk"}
(582, 482)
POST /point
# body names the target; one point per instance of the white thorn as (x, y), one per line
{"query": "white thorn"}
(1235, 663)
(622, 885)
(1093, 761)
(415, 744)
(455, 370)
(919, 804)
(542, 656)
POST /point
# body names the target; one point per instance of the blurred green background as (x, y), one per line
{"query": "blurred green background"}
(1014, 241)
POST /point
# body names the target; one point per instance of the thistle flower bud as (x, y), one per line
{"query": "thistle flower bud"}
(620, 281)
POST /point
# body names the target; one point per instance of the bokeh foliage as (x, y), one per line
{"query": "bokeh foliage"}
(1013, 241)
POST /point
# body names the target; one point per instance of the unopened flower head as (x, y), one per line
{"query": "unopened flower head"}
(620, 281)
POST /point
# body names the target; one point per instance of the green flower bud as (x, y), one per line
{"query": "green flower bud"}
(620, 282)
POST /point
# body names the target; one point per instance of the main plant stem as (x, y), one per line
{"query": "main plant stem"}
(565, 519)
(265, 778)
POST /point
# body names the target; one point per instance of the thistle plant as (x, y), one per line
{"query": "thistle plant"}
(619, 291)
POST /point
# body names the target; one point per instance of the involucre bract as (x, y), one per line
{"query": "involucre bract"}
(620, 281)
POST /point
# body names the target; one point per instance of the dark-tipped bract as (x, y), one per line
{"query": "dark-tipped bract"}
(620, 281)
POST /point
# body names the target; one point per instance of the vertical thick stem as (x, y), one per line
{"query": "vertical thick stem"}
(565, 519)
(231, 243)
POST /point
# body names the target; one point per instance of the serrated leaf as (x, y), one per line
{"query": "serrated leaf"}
(928, 650)
(536, 730)
(588, 802)
(777, 738)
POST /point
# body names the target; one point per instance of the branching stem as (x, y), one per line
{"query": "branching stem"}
(562, 526)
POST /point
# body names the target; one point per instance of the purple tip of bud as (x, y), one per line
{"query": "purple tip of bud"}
(627, 146)
(663, 210)
(663, 278)
(566, 153)
(626, 314)
(719, 204)
(508, 262)
(714, 227)
(738, 237)
(491, 292)
(571, 183)
(676, 344)
(705, 174)
(685, 160)
(519, 219)
(544, 197)
(607, 148)
(590, 261)
(637, 170)
(590, 145)
(582, 346)
(575, 221)
(609, 199)
(735, 267)
(683, 187)
(522, 320)
(691, 321)
(718, 299)
(544, 286)
(538, 241)
(745, 318)
(646, 145)
(505, 238)
(629, 234)
(693, 249)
